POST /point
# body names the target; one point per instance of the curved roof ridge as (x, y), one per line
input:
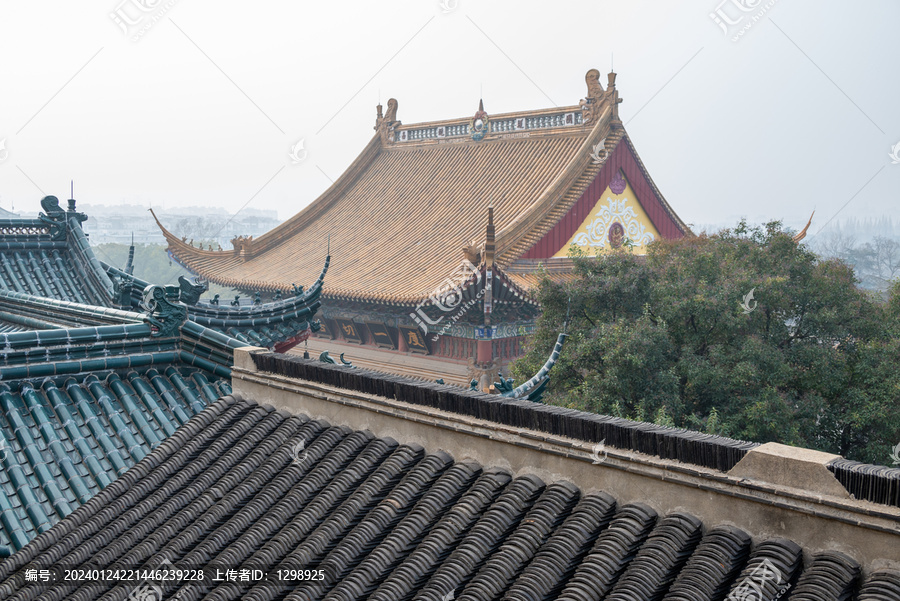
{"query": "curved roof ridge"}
(180, 245)
(318, 206)
(90, 262)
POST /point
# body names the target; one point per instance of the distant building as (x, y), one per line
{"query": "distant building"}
(116, 224)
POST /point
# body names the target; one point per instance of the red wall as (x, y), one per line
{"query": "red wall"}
(622, 159)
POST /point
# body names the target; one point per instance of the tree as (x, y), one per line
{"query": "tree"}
(876, 263)
(677, 337)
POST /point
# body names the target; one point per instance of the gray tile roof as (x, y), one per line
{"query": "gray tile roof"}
(242, 485)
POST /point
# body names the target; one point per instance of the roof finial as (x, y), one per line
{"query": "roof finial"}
(612, 61)
(72, 195)
(614, 99)
(329, 245)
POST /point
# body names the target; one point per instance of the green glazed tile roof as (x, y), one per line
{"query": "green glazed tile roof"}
(50, 257)
(65, 439)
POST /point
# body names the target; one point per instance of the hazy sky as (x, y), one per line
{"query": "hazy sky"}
(201, 102)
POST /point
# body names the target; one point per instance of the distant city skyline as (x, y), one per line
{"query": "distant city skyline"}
(221, 106)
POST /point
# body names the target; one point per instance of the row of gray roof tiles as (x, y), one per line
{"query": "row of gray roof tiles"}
(244, 485)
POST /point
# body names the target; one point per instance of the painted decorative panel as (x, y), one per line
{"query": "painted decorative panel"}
(617, 219)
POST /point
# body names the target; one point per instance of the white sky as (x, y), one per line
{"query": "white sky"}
(799, 114)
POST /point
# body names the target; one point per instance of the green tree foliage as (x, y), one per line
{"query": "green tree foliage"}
(672, 337)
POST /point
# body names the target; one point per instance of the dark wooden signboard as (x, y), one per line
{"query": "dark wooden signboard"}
(349, 330)
(327, 329)
(415, 339)
(381, 334)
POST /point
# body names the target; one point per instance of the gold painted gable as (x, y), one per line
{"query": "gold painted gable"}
(616, 219)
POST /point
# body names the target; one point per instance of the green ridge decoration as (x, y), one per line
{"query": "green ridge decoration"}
(54, 217)
(165, 318)
(533, 389)
(325, 357)
(189, 292)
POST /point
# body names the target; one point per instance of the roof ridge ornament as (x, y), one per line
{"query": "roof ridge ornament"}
(613, 95)
(189, 291)
(590, 104)
(385, 124)
(164, 317)
(54, 216)
(479, 123)
(122, 286)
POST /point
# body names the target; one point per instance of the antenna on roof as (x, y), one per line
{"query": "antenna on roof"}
(72, 188)
(612, 63)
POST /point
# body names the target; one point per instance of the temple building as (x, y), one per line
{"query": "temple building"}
(438, 230)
